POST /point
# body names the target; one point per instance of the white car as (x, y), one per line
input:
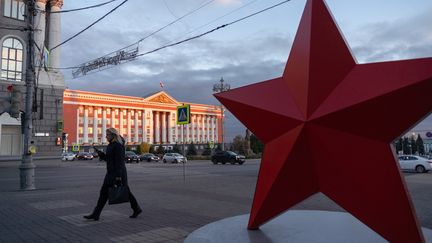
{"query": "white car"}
(68, 156)
(174, 158)
(415, 163)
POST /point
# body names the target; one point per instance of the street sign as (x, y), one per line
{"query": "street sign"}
(183, 114)
(75, 147)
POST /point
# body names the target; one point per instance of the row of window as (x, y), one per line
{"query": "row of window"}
(12, 48)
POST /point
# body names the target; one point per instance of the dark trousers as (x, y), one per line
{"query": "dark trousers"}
(103, 198)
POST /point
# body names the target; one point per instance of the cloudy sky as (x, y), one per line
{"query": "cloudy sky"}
(250, 51)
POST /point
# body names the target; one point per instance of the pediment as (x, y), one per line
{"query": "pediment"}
(162, 97)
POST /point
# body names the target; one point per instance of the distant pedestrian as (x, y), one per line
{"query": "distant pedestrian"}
(116, 173)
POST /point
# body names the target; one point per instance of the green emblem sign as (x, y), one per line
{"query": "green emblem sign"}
(183, 114)
(211, 145)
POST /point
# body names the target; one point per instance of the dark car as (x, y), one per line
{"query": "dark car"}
(149, 157)
(84, 156)
(131, 157)
(227, 157)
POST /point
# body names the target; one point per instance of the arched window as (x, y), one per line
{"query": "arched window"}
(12, 59)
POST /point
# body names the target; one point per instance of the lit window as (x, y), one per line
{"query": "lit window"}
(12, 59)
(14, 9)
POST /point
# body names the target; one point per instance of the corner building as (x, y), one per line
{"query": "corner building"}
(150, 119)
(49, 86)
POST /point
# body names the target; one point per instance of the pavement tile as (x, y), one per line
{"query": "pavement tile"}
(164, 234)
(57, 204)
(107, 216)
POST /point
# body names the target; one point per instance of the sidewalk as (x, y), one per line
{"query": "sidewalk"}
(172, 207)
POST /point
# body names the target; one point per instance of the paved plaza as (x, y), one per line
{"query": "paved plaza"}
(176, 200)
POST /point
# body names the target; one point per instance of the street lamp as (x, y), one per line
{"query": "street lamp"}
(221, 87)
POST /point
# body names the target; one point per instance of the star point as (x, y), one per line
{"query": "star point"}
(317, 118)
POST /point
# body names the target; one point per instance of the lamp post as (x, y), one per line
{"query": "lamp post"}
(27, 167)
(221, 87)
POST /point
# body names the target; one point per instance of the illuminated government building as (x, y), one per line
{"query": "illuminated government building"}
(150, 119)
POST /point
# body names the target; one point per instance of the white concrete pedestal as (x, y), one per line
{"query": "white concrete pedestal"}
(294, 226)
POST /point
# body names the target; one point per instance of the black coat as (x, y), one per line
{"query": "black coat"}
(115, 162)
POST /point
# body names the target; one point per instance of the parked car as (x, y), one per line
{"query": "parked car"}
(68, 156)
(174, 158)
(227, 157)
(131, 157)
(415, 163)
(84, 156)
(149, 157)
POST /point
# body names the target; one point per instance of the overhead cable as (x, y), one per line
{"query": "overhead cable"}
(212, 30)
(88, 27)
(200, 35)
(83, 8)
(160, 29)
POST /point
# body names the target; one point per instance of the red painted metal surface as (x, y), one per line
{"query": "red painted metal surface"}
(320, 115)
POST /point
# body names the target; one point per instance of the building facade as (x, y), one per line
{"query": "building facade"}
(48, 92)
(150, 119)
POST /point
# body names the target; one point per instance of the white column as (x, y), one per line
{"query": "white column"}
(150, 123)
(143, 126)
(206, 128)
(55, 33)
(157, 127)
(188, 126)
(95, 124)
(196, 124)
(170, 140)
(216, 137)
(121, 122)
(136, 127)
(85, 132)
(104, 125)
(182, 138)
(164, 127)
(77, 128)
(113, 114)
(128, 122)
(203, 127)
(39, 30)
(193, 117)
(212, 125)
(172, 126)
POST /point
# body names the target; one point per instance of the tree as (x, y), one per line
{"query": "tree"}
(238, 144)
(160, 150)
(256, 145)
(405, 146)
(420, 145)
(192, 149)
(218, 147)
(176, 148)
(207, 150)
(143, 148)
(413, 145)
(152, 149)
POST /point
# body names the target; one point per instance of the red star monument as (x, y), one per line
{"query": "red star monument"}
(328, 124)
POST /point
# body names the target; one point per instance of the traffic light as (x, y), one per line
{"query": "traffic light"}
(15, 101)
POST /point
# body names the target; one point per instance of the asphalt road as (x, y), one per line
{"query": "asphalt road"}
(176, 199)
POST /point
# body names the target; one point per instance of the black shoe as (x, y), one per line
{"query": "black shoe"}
(92, 216)
(135, 213)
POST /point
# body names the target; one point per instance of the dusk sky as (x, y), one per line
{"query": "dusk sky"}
(253, 50)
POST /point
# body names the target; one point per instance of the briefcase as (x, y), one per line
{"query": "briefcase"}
(118, 194)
